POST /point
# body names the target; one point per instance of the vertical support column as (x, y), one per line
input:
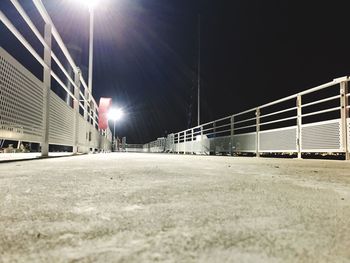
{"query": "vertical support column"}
(178, 143)
(76, 109)
(214, 140)
(299, 125)
(344, 113)
(185, 141)
(257, 114)
(202, 141)
(192, 141)
(232, 134)
(91, 47)
(47, 90)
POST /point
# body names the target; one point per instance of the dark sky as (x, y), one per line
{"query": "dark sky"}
(252, 52)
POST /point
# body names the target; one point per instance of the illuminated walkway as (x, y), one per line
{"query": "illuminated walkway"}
(147, 207)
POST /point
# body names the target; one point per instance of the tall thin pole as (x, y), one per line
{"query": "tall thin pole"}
(199, 70)
(115, 144)
(91, 46)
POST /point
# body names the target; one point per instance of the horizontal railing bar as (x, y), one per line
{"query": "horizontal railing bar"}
(320, 112)
(280, 120)
(323, 86)
(222, 126)
(244, 112)
(53, 74)
(29, 22)
(278, 101)
(211, 128)
(211, 122)
(217, 127)
(238, 122)
(245, 127)
(20, 37)
(40, 7)
(59, 81)
(277, 112)
(320, 101)
(213, 133)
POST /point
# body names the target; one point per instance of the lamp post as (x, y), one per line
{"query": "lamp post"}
(115, 115)
(91, 5)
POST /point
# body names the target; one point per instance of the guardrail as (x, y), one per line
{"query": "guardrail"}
(30, 110)
(313, 121)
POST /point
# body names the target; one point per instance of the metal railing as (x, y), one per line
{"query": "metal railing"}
(30, 110)
(313, 121)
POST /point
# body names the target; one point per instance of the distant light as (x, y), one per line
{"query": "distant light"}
(89, 3)
(115, 114)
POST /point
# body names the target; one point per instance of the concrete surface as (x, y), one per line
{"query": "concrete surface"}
(169, 208)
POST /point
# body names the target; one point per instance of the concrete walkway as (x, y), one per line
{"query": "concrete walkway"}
(151, 207)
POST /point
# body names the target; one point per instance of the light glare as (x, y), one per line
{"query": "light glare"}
(89, 3)
(115, 114)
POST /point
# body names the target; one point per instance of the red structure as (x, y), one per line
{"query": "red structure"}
(104, 106)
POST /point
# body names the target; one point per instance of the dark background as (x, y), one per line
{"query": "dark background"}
(146, 54)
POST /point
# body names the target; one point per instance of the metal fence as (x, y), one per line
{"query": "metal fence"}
(29, 108)
(313, 121)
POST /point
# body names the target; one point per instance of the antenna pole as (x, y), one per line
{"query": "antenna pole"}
(199, 70)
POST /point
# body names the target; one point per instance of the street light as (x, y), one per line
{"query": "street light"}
(91, 5)
(115, 115)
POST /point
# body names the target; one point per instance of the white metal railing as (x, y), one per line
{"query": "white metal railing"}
(312, 121)
(30, 110)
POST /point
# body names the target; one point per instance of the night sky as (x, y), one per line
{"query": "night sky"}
(146, 54)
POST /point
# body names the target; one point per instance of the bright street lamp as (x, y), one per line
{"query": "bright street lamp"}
(91, 5)
(115, 115)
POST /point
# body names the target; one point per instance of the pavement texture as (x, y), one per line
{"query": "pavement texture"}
(129, 207)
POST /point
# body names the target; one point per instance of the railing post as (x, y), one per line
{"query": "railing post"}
(202, 141)
(257, 113)
(47, 90)
(344, 112)
(76, 110)
(185, 141)
(232, 134)
(214, 140)
(172, 141)
(192, 141)
(299, 125)
(178, 143)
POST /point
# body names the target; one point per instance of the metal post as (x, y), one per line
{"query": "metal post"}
(257, 132)
(344, 112)
(91, 47)
(214, 140)
(199, 71)
(232, 134)
(115, 141)
(46, 91)
(299, 125)
(201, 140)
(76, 110)
(185, 141)
(192, 141)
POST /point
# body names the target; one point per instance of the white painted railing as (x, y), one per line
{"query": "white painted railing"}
(30, 110)
(313, 121)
